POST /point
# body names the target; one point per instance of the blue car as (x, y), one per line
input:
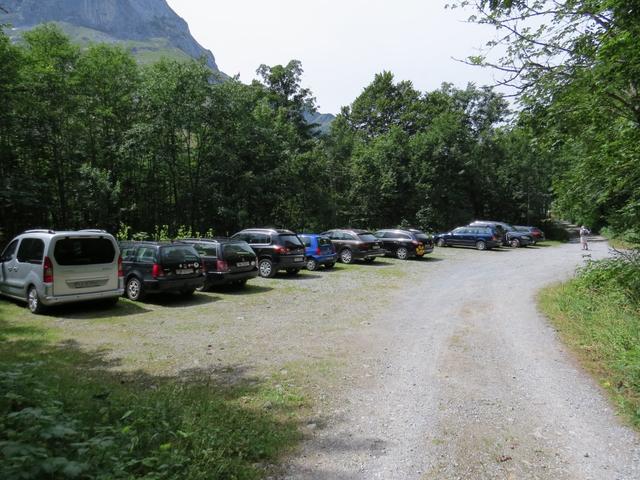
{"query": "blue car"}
(318, 250)
(482, 238)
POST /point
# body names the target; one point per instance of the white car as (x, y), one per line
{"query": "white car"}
(45, 268)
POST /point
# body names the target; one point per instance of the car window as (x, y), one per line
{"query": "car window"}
(146, 255)
(367, 237)
(403, 236)
(237, 247)
(8, 252)
(206, 249)
(31, 251)
(259, 238)
(128, 253)
(84, 251)
(422, 237)
(289, 241)
(306, 241)
(381, 234)
(179, 253)
(323, 241)
(458, 230)
(348, 236)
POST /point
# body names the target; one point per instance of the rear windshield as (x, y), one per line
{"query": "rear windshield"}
(290, 241)
(323, 241)
(240, 247)
(207, 250)
(367, 237)
(179, 253)
(84, 251)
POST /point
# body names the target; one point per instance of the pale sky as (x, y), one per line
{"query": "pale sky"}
(341, 44)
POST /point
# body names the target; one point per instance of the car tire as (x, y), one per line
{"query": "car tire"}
(402, 253)
(135, 289)
(514, 242)
(481, 245)
(34, 303)
(266, 269)
(293, 271)
(441, 242)
(312, 264)
(329, 266)
(346, 256)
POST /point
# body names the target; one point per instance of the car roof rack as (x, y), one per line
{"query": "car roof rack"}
(40, 230)
(93, 230)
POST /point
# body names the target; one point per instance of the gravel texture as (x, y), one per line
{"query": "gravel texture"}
(461, 377)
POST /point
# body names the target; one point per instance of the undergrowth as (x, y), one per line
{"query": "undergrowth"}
(598, 315)
(64, 413)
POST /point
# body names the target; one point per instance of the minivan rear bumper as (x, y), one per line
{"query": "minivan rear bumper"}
(50, 300)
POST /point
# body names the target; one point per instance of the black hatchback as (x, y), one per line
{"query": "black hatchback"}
(226, 261)
(276, 249)
(405, 243)
(158, 267)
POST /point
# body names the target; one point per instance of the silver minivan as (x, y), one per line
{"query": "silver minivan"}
(45, 268)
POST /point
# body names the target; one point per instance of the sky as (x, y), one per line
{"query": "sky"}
(342, 44)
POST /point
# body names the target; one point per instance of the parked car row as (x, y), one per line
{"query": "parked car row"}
(46, 267)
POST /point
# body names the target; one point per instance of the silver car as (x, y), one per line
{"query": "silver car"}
(45, 268)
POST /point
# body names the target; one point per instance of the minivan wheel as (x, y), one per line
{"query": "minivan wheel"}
(135, 290)
(402, 253)
(346, 256)
(312, 264)
(441, 242)
(34, 303)
(480, 245)
(515, 243)
(265, 268)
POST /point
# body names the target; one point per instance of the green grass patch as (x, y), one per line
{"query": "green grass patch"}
(598, 316)
(66, 413)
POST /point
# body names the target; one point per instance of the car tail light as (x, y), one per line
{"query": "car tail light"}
(318, 251)
(496, 238)
(47, 270)
(222, 266)
(281, 249)
(204, 265)
(157, 271)
(120, 271)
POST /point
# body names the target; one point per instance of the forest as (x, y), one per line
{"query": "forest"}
(89, 138)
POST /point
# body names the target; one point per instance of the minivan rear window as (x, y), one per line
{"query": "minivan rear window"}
(84, 251)
(289, 241)
(179, 253)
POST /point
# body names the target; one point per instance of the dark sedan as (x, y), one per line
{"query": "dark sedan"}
(481, 238)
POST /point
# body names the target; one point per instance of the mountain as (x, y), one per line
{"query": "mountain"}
(149, 28)
(322, 120)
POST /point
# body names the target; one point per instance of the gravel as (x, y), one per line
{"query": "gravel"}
(460, 377)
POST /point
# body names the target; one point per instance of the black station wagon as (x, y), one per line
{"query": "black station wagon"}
(354, 244)
(405, 243)
(482, 238)
(158, 267)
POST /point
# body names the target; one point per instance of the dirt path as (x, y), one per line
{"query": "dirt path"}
(464, 379)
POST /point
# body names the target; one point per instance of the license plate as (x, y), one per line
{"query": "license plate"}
(184, 271)
(298, 259)
(242, 264)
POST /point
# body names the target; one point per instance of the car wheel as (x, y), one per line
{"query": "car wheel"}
(265, 268)
(293, 271)
(481, 245)
(346, 256)
(329, 265)
(441, 242)
(312, 264)
(402, 253)
(135, 290)
(187, 292)
(515, 243)
(34, 303)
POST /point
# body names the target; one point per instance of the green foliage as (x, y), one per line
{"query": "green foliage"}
(619, 273)
(64, 414)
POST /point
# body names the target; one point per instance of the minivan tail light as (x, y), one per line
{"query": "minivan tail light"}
(318, 251)
(157, 271)
(222, 266)
(47, 270)
(120, 271)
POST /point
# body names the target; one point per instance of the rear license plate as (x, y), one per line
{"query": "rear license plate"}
(184, 271)
(298, 259)
(242, 264)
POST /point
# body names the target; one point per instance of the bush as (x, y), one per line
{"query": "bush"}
(619, 274)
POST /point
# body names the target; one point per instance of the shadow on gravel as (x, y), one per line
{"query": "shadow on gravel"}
(304, 276)
(178, 301)
(426, 259)
(248, 289)
(90, 310)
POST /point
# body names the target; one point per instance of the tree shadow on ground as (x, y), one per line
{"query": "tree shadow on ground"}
(90, 309)
(175, 300)
(218, 423)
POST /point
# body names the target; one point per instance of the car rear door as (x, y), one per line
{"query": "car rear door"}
(180, 261)
(7, 273)
(239, 257)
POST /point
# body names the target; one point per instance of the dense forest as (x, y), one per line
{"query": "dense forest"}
(88, 138)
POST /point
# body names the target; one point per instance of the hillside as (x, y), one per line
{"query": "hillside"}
(149, 28)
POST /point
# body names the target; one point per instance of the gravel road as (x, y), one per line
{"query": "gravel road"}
(462, 378)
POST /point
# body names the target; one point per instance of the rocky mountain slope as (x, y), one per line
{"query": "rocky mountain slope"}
(150, 28)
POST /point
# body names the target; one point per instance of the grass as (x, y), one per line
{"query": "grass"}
(599, 320)
(64, 412)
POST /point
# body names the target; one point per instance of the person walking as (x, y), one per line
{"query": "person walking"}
(584, 232)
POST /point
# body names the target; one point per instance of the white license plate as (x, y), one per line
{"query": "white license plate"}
(242, 264)
(298, 259)
(184, 271)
